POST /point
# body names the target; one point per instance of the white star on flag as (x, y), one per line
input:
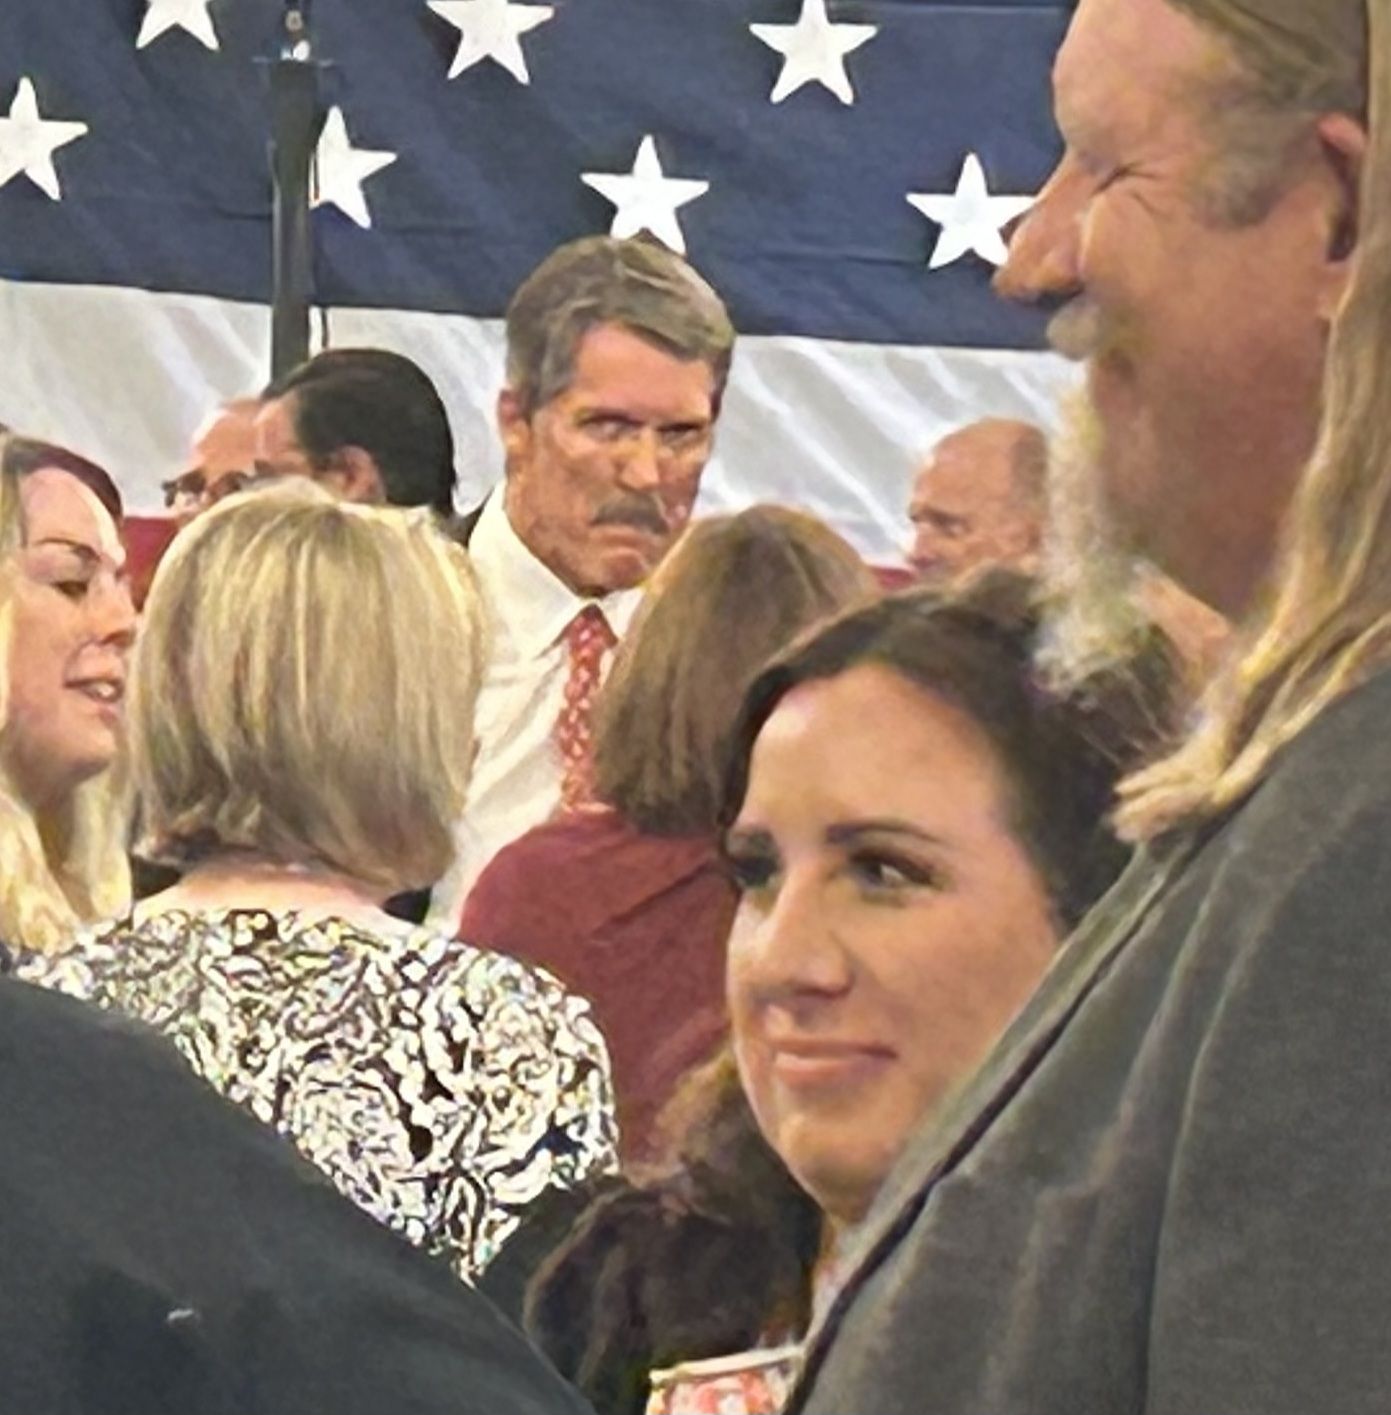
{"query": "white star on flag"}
(814, 51)
(491, 29)
(28, 142)
(340, 169)
(970, 218)
(190, 15)
(646, 199)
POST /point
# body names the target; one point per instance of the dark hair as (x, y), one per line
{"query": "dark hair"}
(735, 591)
(23, 455)
(1063, 756)
(719, 1246)
(636, 283)
(383, 403)
(708, 1257)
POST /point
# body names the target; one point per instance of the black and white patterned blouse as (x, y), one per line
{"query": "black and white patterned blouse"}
(442, 1088)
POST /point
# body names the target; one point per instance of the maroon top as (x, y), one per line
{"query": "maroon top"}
(637, 924)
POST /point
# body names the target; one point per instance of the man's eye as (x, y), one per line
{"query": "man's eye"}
(680, 438)
(607, 429)
(73, 589)
(1115, 175)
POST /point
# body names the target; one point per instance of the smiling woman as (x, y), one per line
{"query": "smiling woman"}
(66, 627)
(914, 823)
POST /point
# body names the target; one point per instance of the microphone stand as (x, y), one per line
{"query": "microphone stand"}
(296, 121)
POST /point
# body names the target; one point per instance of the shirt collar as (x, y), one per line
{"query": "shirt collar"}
(529, 604)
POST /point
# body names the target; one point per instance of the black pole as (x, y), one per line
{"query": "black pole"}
(296, 122)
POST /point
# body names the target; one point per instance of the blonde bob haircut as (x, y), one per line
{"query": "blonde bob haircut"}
(1326, 624)
(56, 875)
(304, 688)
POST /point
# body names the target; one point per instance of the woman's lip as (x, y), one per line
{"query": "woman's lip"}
(110, 691)
(816, 1064)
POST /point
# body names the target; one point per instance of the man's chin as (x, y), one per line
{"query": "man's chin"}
(621, 570)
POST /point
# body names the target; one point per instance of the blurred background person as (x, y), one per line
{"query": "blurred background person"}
(368, 424)
(984, 499)
(221, 460)
(628, 901)
(978, 501)
(617, 358)
(68, 624)
(301, 729)
(914, 825)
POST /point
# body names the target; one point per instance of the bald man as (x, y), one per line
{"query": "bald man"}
(978, 500)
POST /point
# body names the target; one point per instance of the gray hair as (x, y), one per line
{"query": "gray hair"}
(638, 284)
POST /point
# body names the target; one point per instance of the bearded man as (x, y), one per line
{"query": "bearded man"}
(1167, 1189)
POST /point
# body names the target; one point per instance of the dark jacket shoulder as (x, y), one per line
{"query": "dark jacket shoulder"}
(178, 1256)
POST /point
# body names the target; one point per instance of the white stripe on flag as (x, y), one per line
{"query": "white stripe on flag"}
(125, 376)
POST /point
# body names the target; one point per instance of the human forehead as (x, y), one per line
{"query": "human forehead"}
(973, 468)
(57, 506)
(274, 425)
(870, 743)
(227, 439)
(613, 360)
(1125, 64)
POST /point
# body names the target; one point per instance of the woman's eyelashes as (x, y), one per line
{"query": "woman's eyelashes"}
(751, 867)
(891, 874)
(877, 873)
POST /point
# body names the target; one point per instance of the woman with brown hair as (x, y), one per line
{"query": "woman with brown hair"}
(628, 903)
(914, 822)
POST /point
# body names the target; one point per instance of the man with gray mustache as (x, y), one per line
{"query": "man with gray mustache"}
(617, 357)
(1166, 1192)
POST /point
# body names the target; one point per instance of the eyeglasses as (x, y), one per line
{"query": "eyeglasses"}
(194, 491)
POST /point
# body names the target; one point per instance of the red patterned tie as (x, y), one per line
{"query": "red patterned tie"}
(587, 637)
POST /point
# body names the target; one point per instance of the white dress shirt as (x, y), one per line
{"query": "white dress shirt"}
(516, 779)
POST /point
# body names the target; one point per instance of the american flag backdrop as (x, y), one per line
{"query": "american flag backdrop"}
(138, 298)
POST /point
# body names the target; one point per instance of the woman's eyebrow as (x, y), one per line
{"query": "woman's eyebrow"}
(847, 832)
(77, 546)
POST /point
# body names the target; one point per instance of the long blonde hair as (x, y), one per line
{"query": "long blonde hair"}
(56, 875)
(1326, 625)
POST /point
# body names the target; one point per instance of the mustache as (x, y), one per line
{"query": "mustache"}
(1080, 331)
(636, 512)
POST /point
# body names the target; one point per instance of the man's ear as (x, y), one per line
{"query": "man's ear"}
(1343, 141)
(352, 473)
(513, 425)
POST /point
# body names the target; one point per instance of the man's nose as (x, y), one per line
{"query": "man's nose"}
(922, 551)
(641, 466)
(1044, 247)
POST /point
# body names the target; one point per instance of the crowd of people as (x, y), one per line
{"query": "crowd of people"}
(751, 983)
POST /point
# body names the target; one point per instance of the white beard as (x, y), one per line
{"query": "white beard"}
(1092, 580)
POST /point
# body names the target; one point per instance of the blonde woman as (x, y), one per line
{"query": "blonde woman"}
(301, 729)
(66, 625)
